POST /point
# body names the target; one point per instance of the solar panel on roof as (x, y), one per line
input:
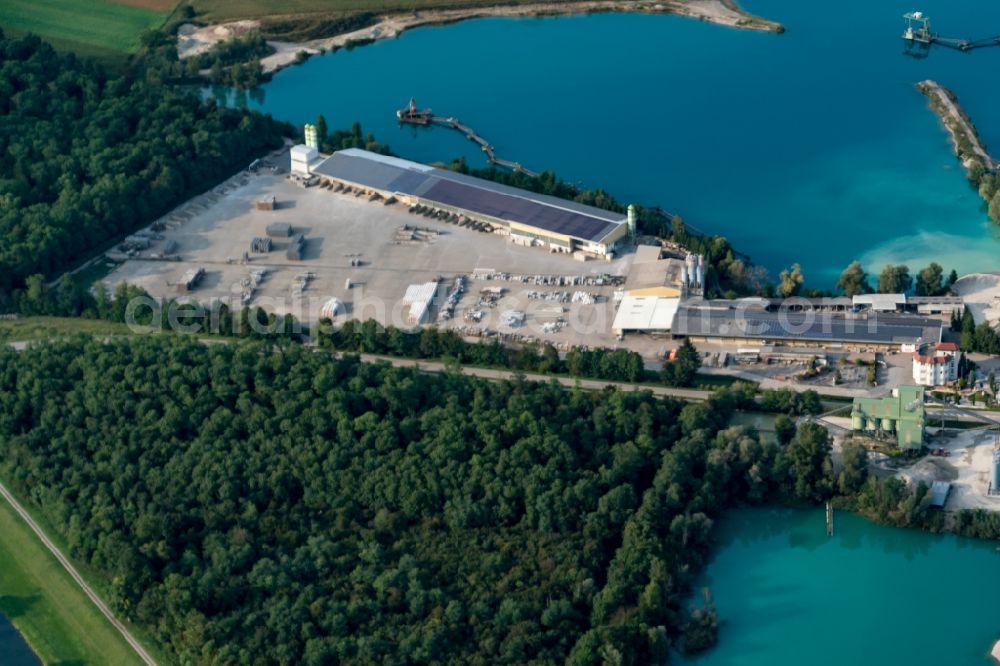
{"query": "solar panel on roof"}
(515, 209)
(407, 182)
(557, 216)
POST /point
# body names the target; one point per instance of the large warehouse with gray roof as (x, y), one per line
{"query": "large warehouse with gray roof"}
(529, 218)
(746, 322)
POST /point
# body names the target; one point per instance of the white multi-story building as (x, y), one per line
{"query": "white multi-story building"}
(936, 365)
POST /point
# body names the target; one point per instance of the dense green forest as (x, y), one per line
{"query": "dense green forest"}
(283, 507)
(88, 157)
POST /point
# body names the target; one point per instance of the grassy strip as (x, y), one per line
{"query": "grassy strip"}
(40, 328)
(84, 26)
(43, 602)
(214, 11)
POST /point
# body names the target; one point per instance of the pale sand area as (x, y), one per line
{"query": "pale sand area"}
(193, 40)
(981, 292)
(968, 468)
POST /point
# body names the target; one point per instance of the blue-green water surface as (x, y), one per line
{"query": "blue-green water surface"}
(788, 594)
(14, 650)
(811, 146)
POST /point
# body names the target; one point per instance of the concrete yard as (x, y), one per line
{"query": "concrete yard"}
(967, 467)
(213, 231)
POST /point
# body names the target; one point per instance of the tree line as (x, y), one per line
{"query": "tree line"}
(896, 279)
(623, 365)
(89, 157)
(982, 338)
(854, 280)
(341, 139)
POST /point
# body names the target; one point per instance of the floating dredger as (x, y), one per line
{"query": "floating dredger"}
(411, 114)
(917, 34)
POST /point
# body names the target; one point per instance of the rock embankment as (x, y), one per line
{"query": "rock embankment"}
(969, 146)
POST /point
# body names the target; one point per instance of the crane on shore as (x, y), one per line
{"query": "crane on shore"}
(918, 34)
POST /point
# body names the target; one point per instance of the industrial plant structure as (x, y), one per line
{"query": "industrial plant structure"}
(899, 416)
(654, 289)
(528, 218)
(304, 159)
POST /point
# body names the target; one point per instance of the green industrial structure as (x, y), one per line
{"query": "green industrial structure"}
(918, 28)
(900, 415)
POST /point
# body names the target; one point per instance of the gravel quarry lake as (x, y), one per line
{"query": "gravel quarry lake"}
(786, 593)
(812, 146)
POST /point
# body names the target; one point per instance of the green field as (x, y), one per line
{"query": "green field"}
(40, 328)
(43, 602)
(89, 27)
(214, 11)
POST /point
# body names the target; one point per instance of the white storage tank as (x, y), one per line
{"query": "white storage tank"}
(302, 157)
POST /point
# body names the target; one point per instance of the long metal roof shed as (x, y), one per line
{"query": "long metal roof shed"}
(883, 302)
(714, 321)
(391, 174)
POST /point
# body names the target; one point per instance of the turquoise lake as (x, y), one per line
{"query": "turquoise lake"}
(788, 594)
(811, 146)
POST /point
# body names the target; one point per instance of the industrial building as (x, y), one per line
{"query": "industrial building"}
(935, 305)
(923, 305)
(653, 291)
(880, 302)
(936, 365)
(752, 321)
(304, 159)
(528, 218)
(900, 416)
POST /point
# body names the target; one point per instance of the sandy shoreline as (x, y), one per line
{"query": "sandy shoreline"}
(193, 40)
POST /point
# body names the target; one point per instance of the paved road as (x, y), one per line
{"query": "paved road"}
(952, 413)
(71, 570)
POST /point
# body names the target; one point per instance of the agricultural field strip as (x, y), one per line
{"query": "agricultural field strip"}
(71, 570)
(92, 22)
